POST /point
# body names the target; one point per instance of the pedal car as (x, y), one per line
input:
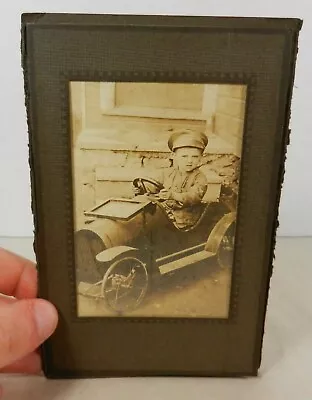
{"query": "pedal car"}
(129, 241)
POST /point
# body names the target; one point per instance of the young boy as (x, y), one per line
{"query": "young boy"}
(184, 184)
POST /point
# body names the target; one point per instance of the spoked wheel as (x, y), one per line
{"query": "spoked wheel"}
(226, 248)
(125, 284)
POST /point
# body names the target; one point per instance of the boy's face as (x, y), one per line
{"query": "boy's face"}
(187, 158)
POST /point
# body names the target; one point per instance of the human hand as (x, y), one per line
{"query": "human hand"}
(136, 191)
(164, 194)
(25, 322)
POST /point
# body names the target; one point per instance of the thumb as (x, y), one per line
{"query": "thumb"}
(24, 326)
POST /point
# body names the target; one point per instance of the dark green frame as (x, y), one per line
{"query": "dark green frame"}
(259, 52)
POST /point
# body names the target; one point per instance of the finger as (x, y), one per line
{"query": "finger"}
(30, 364)
(18, 276)
(6, 299)
(24, 326)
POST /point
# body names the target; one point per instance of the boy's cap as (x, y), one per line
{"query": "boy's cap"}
(187, 138)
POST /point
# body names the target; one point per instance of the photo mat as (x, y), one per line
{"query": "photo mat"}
(73, 67)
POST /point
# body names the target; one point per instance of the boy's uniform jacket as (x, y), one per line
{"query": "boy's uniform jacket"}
(193, 186)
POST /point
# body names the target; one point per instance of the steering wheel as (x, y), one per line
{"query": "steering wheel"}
(140, 184)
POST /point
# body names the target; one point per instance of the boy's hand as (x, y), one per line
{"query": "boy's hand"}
(164, 194)
(136, 191)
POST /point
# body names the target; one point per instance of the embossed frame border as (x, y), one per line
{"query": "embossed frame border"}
(233, 345)
(248, 80)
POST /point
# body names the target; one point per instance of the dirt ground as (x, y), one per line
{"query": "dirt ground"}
(195, 291)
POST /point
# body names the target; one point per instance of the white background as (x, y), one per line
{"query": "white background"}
(15, 213)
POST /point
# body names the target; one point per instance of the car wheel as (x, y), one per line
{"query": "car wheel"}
(226, 248)
(125, 284)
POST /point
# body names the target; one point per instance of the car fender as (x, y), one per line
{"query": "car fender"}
(217, 233)
(113, 253)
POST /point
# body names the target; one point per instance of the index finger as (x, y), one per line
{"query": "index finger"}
(18, 276)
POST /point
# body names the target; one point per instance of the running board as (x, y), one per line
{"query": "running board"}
(185, 261)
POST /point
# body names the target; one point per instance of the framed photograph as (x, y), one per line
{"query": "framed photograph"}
(157, 149)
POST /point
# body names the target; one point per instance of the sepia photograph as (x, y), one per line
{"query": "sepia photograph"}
(155, 169)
